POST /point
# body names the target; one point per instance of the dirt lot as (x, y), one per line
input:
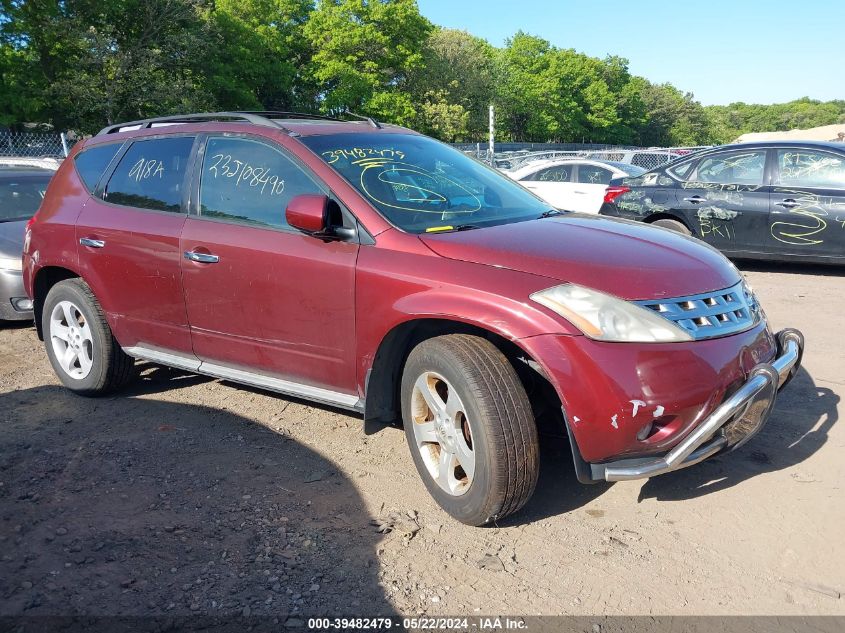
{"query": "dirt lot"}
(186, 495)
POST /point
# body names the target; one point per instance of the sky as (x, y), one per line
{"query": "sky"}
(755, 51)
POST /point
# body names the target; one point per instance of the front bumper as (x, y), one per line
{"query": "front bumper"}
(12, 296)
(731, 424)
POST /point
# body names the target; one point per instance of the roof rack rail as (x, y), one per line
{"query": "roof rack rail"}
(250, 117)
(368, 119)
(277, 114)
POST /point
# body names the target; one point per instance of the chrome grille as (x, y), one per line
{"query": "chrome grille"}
(711, 314)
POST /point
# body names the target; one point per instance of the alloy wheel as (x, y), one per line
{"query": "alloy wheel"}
(72, 341)
(442, 433)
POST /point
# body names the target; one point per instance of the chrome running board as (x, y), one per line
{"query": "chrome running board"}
(286, 387)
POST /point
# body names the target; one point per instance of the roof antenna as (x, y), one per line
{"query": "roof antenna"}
(368, 119)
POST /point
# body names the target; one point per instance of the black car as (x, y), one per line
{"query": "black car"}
(767, 200)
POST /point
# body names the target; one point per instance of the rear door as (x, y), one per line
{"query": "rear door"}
(266, 298)
(592, 182)
(725, 200)
(554, 185)
(128, 237)
(808, 203)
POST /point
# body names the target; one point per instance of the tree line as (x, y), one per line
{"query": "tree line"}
(81, 64)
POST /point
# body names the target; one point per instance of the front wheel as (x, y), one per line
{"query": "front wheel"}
(80, 346)
(469, 425)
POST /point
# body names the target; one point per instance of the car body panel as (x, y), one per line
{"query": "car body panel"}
(610, 391)
(277, 300)
(142, 245)
(590, 251)
(54, 244)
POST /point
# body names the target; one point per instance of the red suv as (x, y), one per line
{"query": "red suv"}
(367, 267)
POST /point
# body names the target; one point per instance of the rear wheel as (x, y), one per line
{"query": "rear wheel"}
(674, 225)
(469, 426)
(80, 346)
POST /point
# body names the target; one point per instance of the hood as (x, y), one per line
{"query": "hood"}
(11, 238)
(628, 259)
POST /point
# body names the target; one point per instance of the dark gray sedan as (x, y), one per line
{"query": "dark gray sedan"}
(770, 200)
(21, 192)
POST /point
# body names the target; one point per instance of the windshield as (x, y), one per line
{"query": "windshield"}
(421, 185)
(20, 196)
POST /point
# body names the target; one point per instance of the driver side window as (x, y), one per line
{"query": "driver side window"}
(558, 173)
(248, 181)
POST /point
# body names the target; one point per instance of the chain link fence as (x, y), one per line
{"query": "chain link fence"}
(515, 155)
(34, 144)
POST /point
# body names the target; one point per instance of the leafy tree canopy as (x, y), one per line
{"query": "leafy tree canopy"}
(81, 64)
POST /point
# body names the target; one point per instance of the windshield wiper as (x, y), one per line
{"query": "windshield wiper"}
(551, 213)
(465, 227)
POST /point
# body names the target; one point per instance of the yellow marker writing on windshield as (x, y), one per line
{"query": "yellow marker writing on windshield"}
(434, 229)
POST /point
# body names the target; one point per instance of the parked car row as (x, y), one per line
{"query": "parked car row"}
(367, 267)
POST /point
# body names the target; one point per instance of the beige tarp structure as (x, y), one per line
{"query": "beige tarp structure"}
(823, 133)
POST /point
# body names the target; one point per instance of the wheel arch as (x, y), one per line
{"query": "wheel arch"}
(384, 376)
(663, 215)
(45, 279)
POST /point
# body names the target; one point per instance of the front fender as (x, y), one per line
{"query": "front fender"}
(396, 288)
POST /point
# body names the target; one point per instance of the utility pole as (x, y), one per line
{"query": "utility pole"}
(491, 146)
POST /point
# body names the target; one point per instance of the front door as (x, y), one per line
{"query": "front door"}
(726, 200)
(267, 298)
(808, 203)
(128, 244)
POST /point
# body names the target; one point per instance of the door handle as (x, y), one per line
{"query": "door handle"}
(789, 203)
(92, 243)
(695, 200)
(202, 258)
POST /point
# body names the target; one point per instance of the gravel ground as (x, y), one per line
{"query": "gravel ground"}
(188, 496)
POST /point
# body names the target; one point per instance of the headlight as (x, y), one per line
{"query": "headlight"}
(10, 263)
(608, 318)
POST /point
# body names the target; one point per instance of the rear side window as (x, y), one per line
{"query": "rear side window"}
(91, 163)
(151, 174)
(591, 175)
(806, 168)
(250, 182)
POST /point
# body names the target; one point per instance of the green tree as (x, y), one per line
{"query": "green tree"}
(456, 76)
(99, 62)
(674, 118)
(258, 50)
(363, 53)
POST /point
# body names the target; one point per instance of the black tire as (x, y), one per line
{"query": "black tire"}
(674, 225)
(110, 368)
(503, 433)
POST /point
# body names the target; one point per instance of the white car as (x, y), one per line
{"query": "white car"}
(573, 184)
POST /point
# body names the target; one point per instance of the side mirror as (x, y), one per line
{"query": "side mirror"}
(308, 212)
